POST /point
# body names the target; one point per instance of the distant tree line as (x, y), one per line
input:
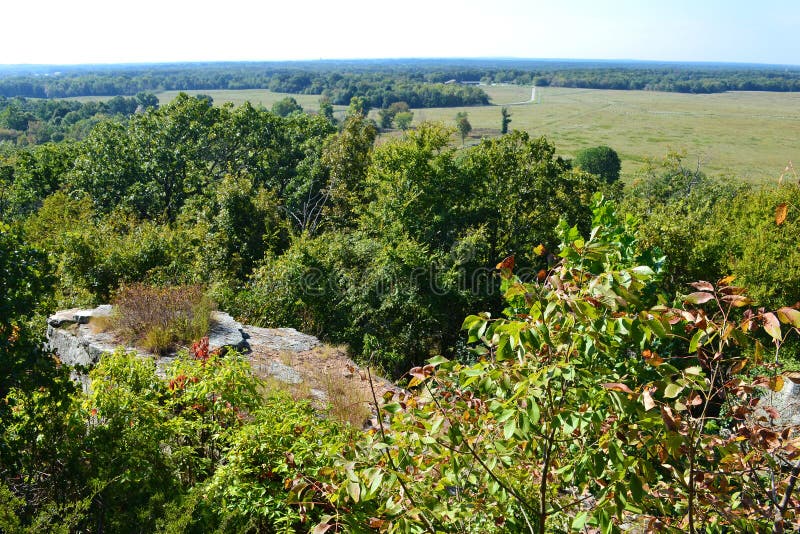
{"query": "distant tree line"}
(420, 83)
(380, 88)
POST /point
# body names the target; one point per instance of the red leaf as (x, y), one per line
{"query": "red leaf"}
(374, 522)
(702, 285)
(772, 326)
(669, 420)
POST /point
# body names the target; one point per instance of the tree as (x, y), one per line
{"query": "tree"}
(403, 119)
(359, 107)
(463, 125)
(385, 118)
(286, 106)
(505, 119)
(601, 161)
(326, 109)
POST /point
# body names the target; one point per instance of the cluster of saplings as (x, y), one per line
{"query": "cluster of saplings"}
(298, 221)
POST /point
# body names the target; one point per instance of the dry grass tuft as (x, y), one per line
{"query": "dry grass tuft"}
(160, 318)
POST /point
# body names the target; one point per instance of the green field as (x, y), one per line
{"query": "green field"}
(750, 135)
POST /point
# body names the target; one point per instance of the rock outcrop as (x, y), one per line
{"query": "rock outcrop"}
(298, 360)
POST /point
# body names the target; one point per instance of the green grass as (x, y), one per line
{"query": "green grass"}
(750, 135)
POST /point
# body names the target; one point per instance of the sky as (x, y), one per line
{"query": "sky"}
(113, 31)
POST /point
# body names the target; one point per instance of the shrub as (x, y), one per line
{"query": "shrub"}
(159, 318)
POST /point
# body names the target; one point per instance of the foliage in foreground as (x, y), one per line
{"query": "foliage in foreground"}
(197, 450)
(595, 404)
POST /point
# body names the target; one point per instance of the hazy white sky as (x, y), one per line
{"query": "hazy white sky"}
(113, 31)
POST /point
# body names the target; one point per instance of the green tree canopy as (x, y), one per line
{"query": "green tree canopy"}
(601, 161)
(286, 106)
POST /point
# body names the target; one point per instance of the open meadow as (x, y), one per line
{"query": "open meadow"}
(749, 135)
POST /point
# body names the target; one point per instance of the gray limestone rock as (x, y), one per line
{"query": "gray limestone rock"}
(225, 332)
(279, 339)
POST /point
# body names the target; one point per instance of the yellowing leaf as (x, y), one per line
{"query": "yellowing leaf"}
(776, 383)
(354, 490)
(698, 297)
(672, 390)
(789, 315)
(780, 213)
(539, 250)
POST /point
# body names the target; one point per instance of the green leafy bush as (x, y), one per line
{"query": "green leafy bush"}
(595, 404)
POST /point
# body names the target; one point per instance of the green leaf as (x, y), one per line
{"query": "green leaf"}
(695, 342)
(672, 390)
(580, 520)
(354, 490)
(637, 491)
(392, 407)
(509, 428)
(506, 415)
(642, 272)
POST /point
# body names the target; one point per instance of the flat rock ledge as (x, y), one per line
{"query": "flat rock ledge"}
(77, 342)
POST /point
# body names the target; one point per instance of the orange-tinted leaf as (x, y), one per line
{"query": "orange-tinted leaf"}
(737, 300)
(780, 213)
(507, 263)
(652, 358)
(738, 365)
(541, 275)
(374, 522)
(727, 280)
(617, 386)
(772, 326)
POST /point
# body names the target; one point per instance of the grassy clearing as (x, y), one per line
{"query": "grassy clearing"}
(751, 135)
